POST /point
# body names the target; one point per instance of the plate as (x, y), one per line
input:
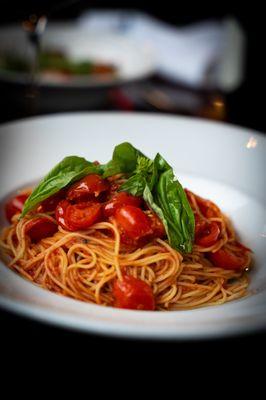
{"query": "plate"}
(219, 161)
(133, 62)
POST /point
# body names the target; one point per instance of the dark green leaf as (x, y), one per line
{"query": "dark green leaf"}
(134, 185)
(124, 160)
(159, 165)
(171, 198)
(155, 182)
(69, 170)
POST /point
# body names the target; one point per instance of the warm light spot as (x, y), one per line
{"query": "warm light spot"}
(252, 142)
(218, 103)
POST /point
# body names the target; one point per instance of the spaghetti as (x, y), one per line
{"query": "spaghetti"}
(83, 265)
(133, 240)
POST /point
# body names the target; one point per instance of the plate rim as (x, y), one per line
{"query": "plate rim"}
(145, 114)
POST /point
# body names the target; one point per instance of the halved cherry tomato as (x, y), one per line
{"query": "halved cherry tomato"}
(119, 200)
(61, 215)
(133, 294)
(226, 259)
(158, 230)
(208, 234)
(40, 228)
(15, 205)
(133, 221)
(87, 188)
(74, 217)
(50, 204)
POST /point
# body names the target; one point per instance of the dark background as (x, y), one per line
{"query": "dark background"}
(245, 106)
(25, 338)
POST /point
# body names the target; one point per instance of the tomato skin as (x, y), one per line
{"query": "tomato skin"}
(207, 207)
(50, 204)
(133, 221)
(87, 188)
(40, 228)
(133, 294)
(208, 234)
(158, 230)
(74, 217)
(119, 200)
(223, 258)
(60, 215)
(15, 205)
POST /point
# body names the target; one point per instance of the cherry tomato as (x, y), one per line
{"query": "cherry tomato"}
(88, 187)
(207, 207)
(199, 224)
(74, 217)
(15, 205)
(226, 259)
(119, 200)
(133, 294)
(61, 215)
(50, 204)
(133, 221)
(40, 228)
(158, 230)
(207, 235)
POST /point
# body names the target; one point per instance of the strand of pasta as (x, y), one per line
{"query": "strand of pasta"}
(83, 265)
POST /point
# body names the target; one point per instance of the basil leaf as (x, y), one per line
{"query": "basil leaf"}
(124, 160)
(69, 170)
(149, 198)
(154, 180)
(159, 165)
(134, 185)
(171, 198)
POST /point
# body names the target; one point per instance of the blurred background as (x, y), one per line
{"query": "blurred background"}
(77, 55)
(128, 56)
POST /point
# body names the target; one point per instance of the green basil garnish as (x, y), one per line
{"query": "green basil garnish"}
(124, 160)
(152, 179)
(69, 170)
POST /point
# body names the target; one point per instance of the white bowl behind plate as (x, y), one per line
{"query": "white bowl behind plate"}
(218, 161)
(133, 62)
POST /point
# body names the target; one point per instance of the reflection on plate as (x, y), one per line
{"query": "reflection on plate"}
(204, 156)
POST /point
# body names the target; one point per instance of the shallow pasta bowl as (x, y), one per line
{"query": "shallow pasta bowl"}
(218, 161)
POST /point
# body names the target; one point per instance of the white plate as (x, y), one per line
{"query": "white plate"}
(218, 161)
(133, 61)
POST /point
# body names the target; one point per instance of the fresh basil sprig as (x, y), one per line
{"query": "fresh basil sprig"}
(124, 160)
(136, 183)
(152, 179)
(155, 182)
(73, 168)
(69, 170)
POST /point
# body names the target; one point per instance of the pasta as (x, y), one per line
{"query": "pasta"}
(83, 265)
(73, 250)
